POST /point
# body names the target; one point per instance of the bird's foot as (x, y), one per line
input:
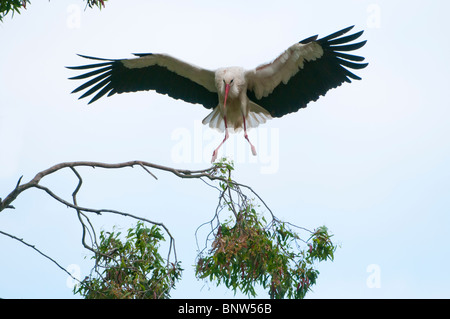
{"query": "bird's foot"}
(251, 145)
(214, 156)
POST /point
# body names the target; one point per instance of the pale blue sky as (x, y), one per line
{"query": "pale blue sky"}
(369, 160)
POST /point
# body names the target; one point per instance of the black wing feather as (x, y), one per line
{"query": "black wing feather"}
(346, 39)
(349, 56)
(113, 77)
(317, 77)
(89, 74)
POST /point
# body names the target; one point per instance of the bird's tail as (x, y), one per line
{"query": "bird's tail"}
(215, 120)
(257, 115)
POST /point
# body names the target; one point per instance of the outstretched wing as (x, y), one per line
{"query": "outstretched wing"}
(159, 72)
(304, 72)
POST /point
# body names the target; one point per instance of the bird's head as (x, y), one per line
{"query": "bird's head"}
(230, 82)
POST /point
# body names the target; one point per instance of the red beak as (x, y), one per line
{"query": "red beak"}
(227, 88)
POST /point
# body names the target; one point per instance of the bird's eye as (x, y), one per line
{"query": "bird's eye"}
(231, 81)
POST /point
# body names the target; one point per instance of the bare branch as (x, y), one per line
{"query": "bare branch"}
(40, 252)
(6, 203)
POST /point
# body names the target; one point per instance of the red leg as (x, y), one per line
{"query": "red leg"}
(214, 156)
(246, 137)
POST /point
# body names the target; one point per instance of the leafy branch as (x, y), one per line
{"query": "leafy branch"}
(247, 250)
(15, 6)
(133, 269)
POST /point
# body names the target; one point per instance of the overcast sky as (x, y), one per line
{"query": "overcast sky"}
(370, 160)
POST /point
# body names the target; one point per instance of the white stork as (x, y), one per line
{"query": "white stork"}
(238, 98)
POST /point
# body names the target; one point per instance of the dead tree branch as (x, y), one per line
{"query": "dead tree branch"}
(6, 203)
(40, 252)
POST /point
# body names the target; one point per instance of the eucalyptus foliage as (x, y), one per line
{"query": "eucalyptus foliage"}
(15, 6)
(248, 251)
(130, 269)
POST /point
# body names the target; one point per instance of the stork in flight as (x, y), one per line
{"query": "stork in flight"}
(239, 98)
